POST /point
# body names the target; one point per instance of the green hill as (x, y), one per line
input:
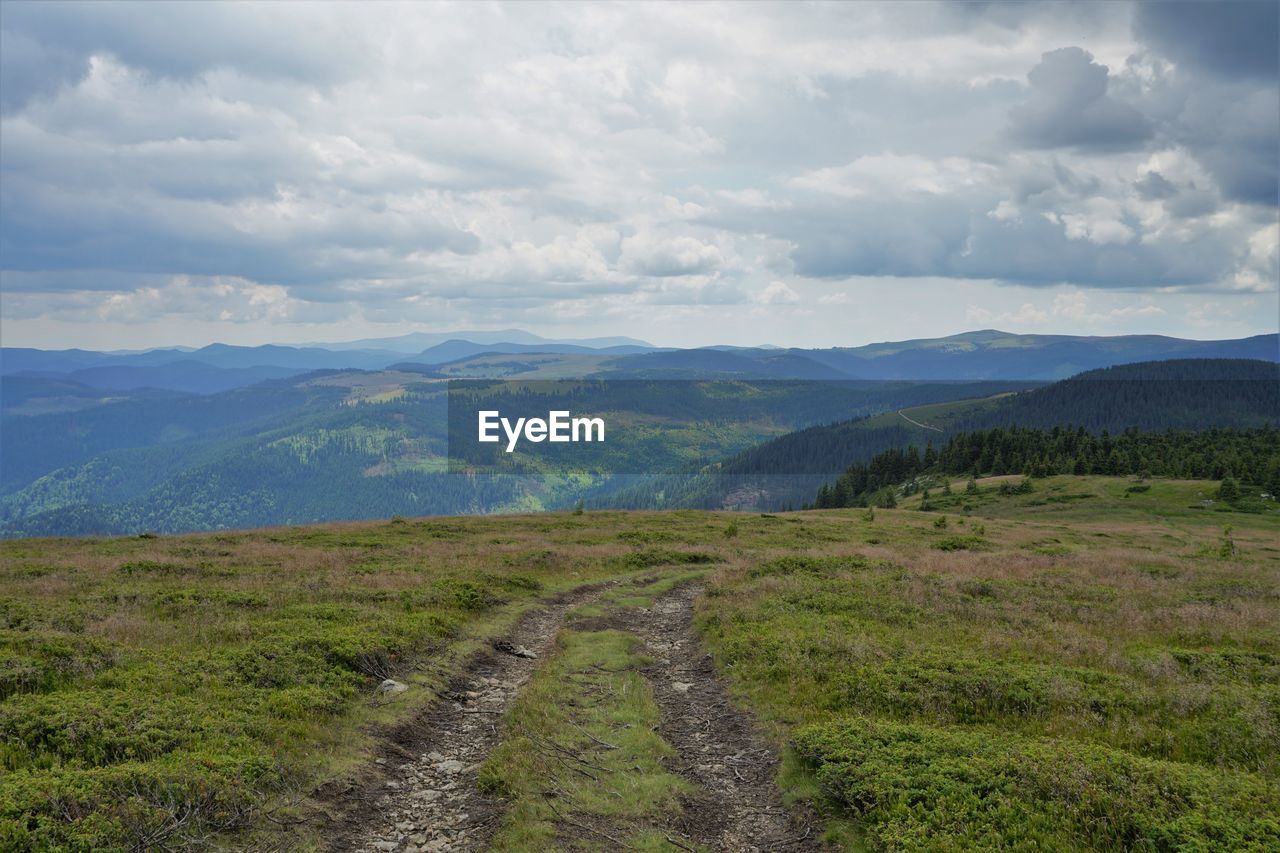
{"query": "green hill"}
(355, 444)
(787, 471)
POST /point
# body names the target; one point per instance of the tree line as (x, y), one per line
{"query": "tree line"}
(1250, 457)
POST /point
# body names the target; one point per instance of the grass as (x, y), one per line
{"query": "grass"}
(582, 764)
(1075, 667)
(1079, 674)
(173, 689)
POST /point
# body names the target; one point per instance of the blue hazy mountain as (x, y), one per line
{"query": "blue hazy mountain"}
(991, 354)
(458, 348)
(416, 342)
(985, 354)
(335, 444)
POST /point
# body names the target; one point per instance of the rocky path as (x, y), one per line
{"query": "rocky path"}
(429, 799)
(737, 806)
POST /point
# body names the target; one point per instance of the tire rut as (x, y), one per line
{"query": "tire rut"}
(430, 801)
(737, 805)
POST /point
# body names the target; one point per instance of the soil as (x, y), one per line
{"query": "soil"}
(426, 797)
(737, 805)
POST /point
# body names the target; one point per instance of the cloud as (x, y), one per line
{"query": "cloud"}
(1235, 39)
(1069, 105)
(879, 175)
(499, 164)
(664, 256)
(776, 293)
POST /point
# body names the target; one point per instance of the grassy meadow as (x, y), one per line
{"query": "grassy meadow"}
(1084, 665)
(1079, 667)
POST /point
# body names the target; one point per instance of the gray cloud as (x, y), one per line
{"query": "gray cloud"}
(1233, 133)
(1235, 38)
(1069, 106)
(175, 40)
(491, 163)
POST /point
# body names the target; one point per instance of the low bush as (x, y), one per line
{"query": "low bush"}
(662, 557)
(924, 787)
(961, 543)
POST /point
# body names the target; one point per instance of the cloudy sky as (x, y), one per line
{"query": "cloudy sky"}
(689, 174)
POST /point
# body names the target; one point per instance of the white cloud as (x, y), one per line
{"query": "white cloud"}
(505, 163)
(776, 293)
(658, 255)
(885, 174)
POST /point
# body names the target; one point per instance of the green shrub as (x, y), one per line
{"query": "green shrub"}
(961, 543)
(155, 567)
(129, 806)
(811, 566)
(38, 661)
(662, 557)
(942, 686)
(922, 787)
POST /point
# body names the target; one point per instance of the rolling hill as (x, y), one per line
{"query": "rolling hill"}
(239, 436)
(1188, 394)
(360, 444)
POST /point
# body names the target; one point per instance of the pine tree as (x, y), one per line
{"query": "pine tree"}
(1229, 490)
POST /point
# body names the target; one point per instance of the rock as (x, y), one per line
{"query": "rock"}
(391, 687)
(433, 757)
(510, 648)
(450, 766)
(681, 686)
(385, 845)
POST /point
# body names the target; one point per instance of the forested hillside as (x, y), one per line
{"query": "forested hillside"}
(1251, 457)
(354, 444)
(1180, 394)
(1185, 394)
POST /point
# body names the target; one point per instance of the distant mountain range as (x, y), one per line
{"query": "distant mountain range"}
(978, 355)
(416, 342)
(336, 443)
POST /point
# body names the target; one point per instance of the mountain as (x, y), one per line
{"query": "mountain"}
(416, 342)
(991, 354)
(38, 395)
(721, 364)
(25, 360)
(1186, 394)
(457, 349)
(176, 439)
(979, 355)
(190, 376)
(361, 444)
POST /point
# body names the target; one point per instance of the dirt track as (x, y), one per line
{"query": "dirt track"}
(737, 806)
(428, 799)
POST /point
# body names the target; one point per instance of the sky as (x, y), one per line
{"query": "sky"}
(688, 174)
